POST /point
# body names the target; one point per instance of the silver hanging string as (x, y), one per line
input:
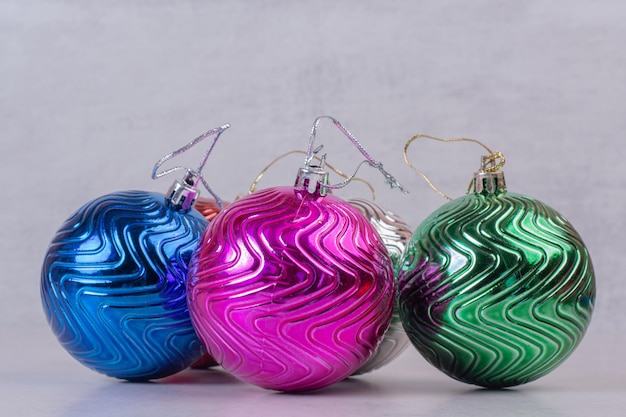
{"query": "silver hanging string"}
(193, 177)
(311, 152)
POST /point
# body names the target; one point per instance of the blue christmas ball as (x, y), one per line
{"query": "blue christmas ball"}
(113, 285)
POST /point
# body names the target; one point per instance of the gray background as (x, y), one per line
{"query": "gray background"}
(93, 93)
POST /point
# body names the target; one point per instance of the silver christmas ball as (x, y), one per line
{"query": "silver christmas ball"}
(395, 234)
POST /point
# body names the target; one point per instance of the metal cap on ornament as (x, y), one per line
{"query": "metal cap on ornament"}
(184, 192)
(314, 178)
(490, 179)
(182, 195)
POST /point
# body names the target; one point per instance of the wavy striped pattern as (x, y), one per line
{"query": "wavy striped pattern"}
(209, 209)
(496, 290)
(395, 234)
(113, 285)
(290, 291)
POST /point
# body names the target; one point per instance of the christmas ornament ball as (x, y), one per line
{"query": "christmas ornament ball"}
(113, 285)
(495, 288)
(205, 361)
(395, 234)
(208, 208)
(290, 290)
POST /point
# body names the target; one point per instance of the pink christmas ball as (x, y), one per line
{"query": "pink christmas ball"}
(290, 290)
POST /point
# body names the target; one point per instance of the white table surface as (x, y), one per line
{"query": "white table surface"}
(39, 379)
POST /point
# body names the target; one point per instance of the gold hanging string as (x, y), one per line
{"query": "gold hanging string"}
(326, 164)
(491, 159)
(495, 156)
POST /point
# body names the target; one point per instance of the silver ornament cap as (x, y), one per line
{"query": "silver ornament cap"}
(182, 194)
(312, 178)
(489, 179)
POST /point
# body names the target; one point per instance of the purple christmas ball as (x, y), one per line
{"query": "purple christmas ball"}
(290, 290)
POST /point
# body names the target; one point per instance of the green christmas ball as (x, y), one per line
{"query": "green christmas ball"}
(495, 289)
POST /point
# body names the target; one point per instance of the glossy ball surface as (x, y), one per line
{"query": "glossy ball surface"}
(496, 290)
(290, 291)
(395, 234)
(113, 285)
(208, 208)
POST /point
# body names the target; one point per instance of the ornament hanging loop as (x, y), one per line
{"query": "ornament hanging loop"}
(488, 162)
(184, 192)
(309, 171)
(326, 164)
